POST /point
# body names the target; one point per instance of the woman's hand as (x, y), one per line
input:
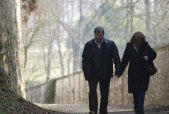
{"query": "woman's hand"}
(145, 58)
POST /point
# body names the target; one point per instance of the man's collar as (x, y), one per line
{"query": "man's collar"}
(99, 43)
(104, 41)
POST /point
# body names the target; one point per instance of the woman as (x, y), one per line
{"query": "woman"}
(138, 80)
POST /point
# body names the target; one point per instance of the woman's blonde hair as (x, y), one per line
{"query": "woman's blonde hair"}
(137, 36)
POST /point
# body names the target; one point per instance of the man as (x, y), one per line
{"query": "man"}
(97, 64)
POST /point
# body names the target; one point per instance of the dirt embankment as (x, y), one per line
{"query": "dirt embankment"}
(10, 103)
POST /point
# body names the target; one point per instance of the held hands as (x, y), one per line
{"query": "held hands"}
(118, 76)
(145, 58)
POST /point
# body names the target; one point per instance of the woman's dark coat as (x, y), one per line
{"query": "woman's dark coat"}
(137, 76)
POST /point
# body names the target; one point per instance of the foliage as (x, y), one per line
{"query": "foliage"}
(29, 6)
(50, 91)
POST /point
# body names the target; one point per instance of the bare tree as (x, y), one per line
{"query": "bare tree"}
(47, 59)
(148, 18)
(29, 81)
(77, 34)
(59, 50)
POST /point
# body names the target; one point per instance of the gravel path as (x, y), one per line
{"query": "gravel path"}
(112, 109)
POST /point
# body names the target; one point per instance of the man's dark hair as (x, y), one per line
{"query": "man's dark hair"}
(99, 29)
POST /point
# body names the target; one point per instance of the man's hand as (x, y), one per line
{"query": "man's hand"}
(145, 58)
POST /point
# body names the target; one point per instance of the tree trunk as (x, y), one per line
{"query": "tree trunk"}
(60, 53)
(76, 57)
(126, 36)
(48, 57)
(68, 63)
(148, 19)
(11, 47)
(131, 22)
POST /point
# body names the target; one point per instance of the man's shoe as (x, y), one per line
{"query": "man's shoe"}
(103, 113)
(136, 112)
(140, 112)
(92, 112)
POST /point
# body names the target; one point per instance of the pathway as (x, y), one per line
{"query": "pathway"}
(112, 109)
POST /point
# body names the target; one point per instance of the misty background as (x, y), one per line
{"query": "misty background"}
(55, 31)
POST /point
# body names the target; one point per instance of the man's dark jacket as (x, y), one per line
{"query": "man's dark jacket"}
(109, 54)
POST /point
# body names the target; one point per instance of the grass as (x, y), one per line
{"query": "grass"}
(8, 101)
